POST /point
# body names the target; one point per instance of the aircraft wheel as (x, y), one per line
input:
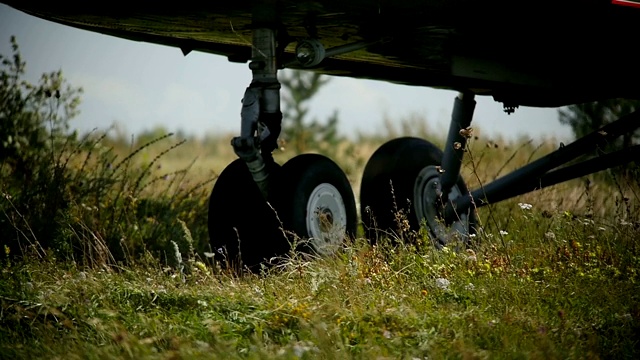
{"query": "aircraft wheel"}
(316, 203)
(243, 228)
(401, 177)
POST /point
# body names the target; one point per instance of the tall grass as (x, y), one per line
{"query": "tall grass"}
(92, 205)
(125, 272)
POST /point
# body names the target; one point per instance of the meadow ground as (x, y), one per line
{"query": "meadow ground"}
(113, 264)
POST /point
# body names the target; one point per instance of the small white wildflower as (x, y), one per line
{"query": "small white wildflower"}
(525, 206)
(86, 207)
(472, 235)
(303, 347)
(470, 287)
(503, 233)
(386, 334)
(549, 235)
(202, 344)
(202, 303)
(443, 283)
(471, 255)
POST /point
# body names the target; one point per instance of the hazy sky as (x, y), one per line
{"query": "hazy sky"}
(143, 85)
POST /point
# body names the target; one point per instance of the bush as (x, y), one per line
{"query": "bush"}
(75, 196)
(34, 132)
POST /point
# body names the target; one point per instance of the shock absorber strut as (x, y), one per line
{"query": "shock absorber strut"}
(261, 115)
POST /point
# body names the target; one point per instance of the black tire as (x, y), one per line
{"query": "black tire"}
(243, 229)
(395, 165)
(299, 177)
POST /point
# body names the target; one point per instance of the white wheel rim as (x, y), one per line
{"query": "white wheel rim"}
(326, 218)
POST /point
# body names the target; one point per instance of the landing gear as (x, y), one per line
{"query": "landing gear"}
(402, 181)
(257, 209)
(411, 179)
(256, 205)
(405, 177)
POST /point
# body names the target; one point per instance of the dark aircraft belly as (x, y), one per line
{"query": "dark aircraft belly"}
(539, 53)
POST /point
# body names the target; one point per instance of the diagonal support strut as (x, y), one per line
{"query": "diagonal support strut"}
(539, 174)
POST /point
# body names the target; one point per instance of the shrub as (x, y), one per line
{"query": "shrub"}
(76, 196)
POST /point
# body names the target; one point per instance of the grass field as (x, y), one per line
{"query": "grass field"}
(113, 264)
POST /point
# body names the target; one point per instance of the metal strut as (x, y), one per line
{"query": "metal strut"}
(541, 173)
(261, 115)
(435, 185)
(454, 148)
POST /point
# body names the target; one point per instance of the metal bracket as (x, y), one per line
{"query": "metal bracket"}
(311, 52)
(509, 108)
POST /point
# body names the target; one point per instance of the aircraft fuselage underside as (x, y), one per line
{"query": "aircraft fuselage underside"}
(546, 53)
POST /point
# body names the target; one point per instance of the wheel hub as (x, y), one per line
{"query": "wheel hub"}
(326, 218)
(427, 203)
